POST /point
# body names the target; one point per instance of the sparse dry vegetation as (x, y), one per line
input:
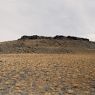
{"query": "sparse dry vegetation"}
(47, 74)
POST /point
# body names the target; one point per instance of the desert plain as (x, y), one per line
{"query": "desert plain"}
(47, 74)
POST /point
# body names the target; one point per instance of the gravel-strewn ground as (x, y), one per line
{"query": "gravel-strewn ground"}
(47, 74)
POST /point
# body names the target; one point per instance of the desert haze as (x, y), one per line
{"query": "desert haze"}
(38, 65)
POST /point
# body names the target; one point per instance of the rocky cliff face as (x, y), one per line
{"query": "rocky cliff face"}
(60, 37)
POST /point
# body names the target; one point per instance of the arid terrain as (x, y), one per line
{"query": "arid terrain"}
(38, 65)
(47, 74)
(47, 45)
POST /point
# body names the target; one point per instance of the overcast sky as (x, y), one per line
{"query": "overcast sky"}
(47, 17)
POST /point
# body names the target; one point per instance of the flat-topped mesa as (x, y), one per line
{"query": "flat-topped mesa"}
(58, 37)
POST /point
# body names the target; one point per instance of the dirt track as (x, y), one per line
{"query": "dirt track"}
(45, 74)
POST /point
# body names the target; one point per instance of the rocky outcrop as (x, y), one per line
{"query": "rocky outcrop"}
(59, 37)
(77, 38)
(29, 37)
(34, 37)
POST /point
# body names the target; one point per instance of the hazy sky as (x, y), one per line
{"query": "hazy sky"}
(47, 17)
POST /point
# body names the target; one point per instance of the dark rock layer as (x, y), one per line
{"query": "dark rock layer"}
(60, 37)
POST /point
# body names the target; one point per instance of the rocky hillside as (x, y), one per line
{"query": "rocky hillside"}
(42, 44)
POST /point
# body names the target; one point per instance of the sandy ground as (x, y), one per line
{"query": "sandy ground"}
(47, 74)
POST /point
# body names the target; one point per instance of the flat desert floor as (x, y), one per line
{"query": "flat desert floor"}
(47, 74)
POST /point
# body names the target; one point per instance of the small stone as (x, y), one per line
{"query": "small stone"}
(75, 85)
(70, 91)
